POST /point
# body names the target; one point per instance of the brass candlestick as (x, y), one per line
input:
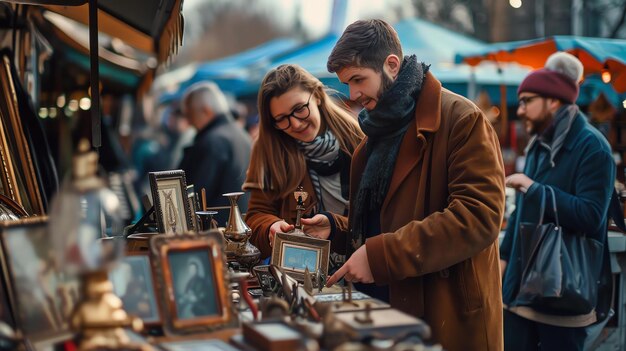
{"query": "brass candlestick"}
(237, 231)
(300, 195)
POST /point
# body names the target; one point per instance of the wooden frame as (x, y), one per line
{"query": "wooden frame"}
(169, 196)
(19, 177)
(191, 274)
(192, 198)
(42, 297)
(135, 273)
(10, 208)
(293, 253)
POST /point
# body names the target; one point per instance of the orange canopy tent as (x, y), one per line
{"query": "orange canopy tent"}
(605, 57)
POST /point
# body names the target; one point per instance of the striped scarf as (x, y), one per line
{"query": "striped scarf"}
(322, 157)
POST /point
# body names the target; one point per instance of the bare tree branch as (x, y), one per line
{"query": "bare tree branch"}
(619, 23)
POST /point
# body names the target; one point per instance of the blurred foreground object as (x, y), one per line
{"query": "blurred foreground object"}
(81, 215)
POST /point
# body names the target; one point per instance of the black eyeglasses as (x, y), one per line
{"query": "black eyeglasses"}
(300, 113)
(523, 101)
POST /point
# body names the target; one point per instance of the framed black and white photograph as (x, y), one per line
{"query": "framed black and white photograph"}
(191, 271)
(169, 196)
(41, 293)
(296, 253)
(134, 283)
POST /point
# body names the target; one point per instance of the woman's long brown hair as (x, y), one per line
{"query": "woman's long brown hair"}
(276, 163)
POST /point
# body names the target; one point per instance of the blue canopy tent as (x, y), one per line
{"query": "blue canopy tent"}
(601, 57)
(418, 37)
(230, 73)
(311, 56)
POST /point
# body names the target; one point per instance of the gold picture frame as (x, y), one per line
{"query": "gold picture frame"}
(294, 253)
(191, 277)
(171, 206)
(19, 176)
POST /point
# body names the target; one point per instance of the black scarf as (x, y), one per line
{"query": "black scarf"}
(385, 126)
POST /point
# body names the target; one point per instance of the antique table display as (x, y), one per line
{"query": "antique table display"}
(181, 289)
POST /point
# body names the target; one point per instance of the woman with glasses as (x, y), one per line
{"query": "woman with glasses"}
(305, 139)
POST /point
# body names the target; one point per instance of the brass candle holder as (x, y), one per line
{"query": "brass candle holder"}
(238, 232)
(301, 196)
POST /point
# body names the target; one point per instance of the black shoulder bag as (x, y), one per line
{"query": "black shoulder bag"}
(560, 275)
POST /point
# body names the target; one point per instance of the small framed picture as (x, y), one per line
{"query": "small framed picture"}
(192, 198)
(191, 272)
(169, 195)
(296, 253)
(134, 283)
(42, 295)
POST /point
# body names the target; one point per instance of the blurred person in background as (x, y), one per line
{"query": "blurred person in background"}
(181, 133)
(219, 156)
(306, 139)
(569, 155)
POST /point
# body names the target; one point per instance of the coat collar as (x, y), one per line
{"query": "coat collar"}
(413, 146)
(428, 107)
(414, 143)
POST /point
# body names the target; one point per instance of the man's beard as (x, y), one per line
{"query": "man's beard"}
(538, 126)
(385, 84)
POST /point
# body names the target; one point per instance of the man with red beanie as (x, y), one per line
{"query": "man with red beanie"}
(570, 156)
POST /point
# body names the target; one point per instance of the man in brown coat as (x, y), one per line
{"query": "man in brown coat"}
(427, 194)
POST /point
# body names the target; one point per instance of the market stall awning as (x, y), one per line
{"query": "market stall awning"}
(598, 55)
(148, 25)
(231, 73)
(418, 37)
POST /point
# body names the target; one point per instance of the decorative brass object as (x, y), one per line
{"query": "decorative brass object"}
(237, 231)
(101, 318)
(300, 195)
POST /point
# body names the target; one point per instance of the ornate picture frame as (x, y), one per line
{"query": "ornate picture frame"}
(134, 282)
(169, 196)
(295, 253)
(192, 281)
(41, 295)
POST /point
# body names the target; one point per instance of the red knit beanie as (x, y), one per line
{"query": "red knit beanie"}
(550, 84)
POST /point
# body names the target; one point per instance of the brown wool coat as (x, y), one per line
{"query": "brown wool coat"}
(440, 222)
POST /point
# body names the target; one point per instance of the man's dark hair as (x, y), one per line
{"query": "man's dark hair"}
(365, 43)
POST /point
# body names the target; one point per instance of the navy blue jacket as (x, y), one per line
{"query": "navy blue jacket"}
(582, 177)
(217, 161)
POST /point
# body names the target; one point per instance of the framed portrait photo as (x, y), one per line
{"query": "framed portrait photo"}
(191, 274)
(169, 196)
(134, 283)
(296, 253)
(42, 295)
